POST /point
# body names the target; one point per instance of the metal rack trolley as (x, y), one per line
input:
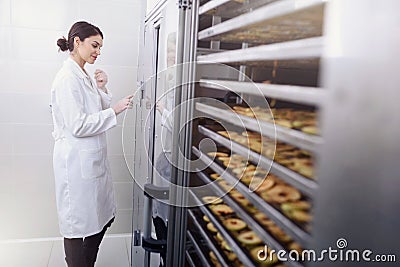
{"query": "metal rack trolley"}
(349, 48)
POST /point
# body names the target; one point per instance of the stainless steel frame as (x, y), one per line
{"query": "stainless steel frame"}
(152, 65)
(291, 50)
(287, 135)
(302, 94)
(181, 138)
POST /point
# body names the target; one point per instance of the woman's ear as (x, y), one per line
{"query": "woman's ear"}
(76, 41)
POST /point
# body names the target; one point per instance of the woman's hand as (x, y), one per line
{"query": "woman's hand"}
(123, 104)
(101, 79)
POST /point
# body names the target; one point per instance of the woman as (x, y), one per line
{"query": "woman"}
(81, 116)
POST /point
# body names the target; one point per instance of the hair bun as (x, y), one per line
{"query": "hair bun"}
(62, 44)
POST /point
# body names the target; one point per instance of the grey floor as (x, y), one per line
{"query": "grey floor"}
(114, 251)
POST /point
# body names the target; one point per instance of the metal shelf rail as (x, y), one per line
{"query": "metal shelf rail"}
(286, 135)
(276, 22)
(211, 5)
(253, 224)
(291, 50)
(198, 250)
(205, 51)
(229, 9)
(190, 259)
(243, 257)
(207, 239)
(300, 94)
(282, 221)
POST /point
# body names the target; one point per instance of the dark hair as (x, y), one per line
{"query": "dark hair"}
(81, 29)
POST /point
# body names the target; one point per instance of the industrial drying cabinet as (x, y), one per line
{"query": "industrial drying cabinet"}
(336, 58)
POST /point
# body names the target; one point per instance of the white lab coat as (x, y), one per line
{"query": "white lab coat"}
(81, 116)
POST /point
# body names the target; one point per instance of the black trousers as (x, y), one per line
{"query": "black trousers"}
(82, 252)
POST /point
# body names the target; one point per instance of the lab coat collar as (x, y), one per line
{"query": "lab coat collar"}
(77, 70)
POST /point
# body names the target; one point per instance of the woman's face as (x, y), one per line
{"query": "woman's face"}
(89, 49)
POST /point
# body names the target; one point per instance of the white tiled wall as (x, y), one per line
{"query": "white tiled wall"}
(30, 14)
(151, 4)
(29, 61)
(5, 10)
(5, 44)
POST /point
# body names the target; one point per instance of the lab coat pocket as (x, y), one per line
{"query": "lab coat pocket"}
(92, 163)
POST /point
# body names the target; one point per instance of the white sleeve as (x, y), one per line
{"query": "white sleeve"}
(71, 103)
(105, 98)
